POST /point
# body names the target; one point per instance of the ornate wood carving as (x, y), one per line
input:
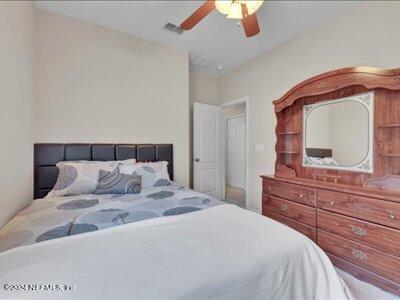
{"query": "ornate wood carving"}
(370, 78)
(334, 85)
(283, 170)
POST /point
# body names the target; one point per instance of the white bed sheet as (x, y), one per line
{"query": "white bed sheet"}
(223, 252)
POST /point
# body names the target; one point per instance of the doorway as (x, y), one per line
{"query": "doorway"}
(210, 151)
(207, 137)
(235, 152)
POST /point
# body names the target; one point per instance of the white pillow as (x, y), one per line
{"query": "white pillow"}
(81, 177)
(330, 161)
(153, 173)
(317, 160)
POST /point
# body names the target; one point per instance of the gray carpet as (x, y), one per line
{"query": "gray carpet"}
(235, 196)
(364, 291)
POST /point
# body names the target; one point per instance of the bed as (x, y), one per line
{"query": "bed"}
(168, 242)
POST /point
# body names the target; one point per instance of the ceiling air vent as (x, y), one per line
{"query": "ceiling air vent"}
(173, 28)
(200, 61)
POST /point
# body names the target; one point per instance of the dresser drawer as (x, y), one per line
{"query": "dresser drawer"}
(377, 211)
(298, 193)
(295, 211)
(308, 231)
(381, 263)
(376, 236)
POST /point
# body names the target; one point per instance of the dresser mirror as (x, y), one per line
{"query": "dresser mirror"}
(338, 134)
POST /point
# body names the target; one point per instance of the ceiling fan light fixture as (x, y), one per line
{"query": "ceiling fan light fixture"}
(253, 5)
(241, 10)
(233, 8)
(235, 11)
(223, 6)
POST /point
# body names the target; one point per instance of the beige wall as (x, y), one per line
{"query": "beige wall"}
(95, 84)
(366, 35)
(203, 89)
(16, 113)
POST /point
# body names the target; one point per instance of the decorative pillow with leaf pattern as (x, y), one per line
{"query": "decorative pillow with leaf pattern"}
(115, 182)
(153, 174)
(81, 177)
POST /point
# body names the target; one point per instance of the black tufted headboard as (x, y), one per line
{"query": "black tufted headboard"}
(319, 152)
(46, 156)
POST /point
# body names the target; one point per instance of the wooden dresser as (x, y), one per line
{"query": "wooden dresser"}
(358, 228)
(353, 216)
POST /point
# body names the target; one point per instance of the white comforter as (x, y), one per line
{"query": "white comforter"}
(223, 252)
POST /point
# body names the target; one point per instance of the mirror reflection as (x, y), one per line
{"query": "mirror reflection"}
(338, 133)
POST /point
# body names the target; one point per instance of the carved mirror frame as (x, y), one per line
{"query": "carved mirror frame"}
(366, 165)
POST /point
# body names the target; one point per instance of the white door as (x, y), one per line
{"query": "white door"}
(236, 151)
(207, 136)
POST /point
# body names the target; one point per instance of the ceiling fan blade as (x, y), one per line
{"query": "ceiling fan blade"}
(250, 23)
(198, 15)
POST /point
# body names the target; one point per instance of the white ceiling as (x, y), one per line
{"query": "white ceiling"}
(216, 38)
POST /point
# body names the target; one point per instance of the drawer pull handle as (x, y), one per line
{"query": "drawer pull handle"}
(359, 254)
(332, 203)
(392, 216)
(269, 189)
(284, 207)
(358, 230)
(301, 195)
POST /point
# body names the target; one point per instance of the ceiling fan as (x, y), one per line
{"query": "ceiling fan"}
(234, 9)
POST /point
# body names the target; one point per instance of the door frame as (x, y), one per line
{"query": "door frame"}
(245, 100)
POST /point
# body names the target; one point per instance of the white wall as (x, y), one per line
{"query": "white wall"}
(234, 110)
(318, 128)
(366, 35)
(349, 132)
(16, 113)
(94, 84)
